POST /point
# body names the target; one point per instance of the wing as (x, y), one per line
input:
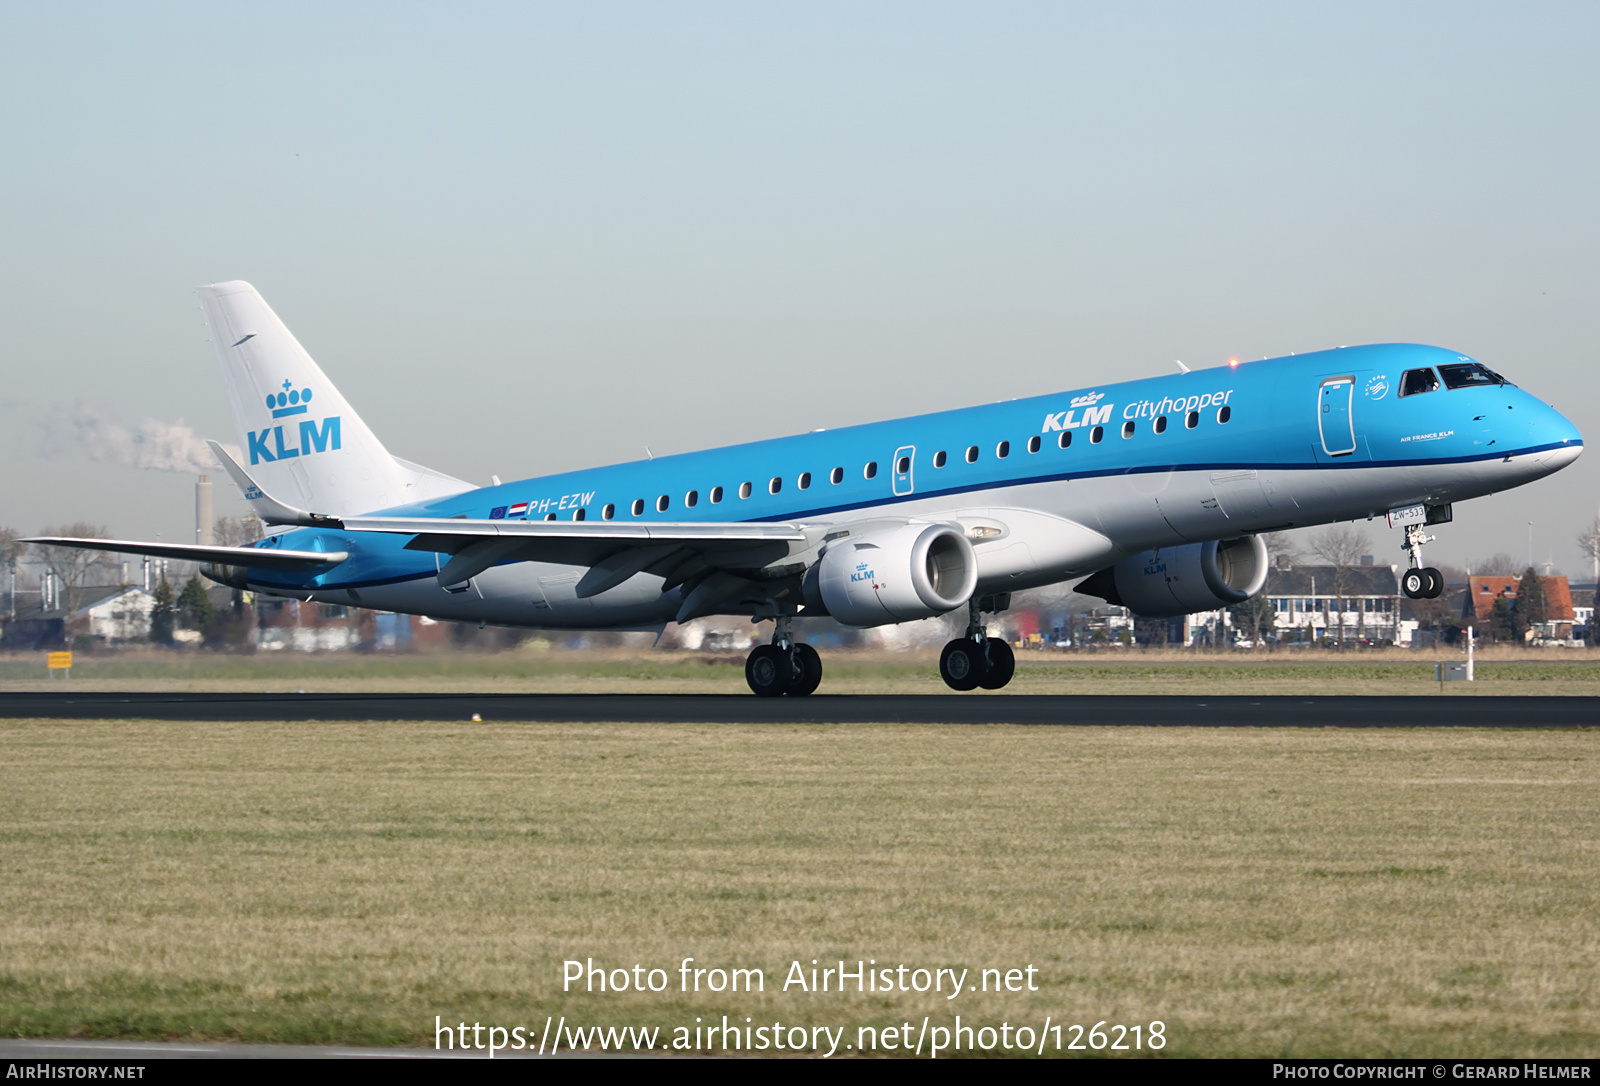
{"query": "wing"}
(258, 557)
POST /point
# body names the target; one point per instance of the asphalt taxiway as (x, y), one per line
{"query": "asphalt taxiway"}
(1426, 711)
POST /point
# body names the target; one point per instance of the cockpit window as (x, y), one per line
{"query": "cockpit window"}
(1470, 375)
(1413, 382)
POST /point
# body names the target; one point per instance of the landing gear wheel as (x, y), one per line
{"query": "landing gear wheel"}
(1002, 664)
(961, 664)
(1415, 583)
(807, 671)
(768, 671)
(1435, 584)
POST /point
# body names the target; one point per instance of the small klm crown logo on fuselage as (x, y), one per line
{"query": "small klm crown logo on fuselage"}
(291, 401)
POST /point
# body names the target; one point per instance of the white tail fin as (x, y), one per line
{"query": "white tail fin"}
(300, 438)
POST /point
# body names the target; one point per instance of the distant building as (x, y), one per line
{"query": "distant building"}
(111, 614)
(1312, 603)
(1482, 592)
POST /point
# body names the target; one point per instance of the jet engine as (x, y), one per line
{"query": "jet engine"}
(1181, 580)
(911, 572)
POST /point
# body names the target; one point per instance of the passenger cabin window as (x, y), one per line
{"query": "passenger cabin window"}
(691, 499)
(1160, 425)
(662, 503)
(608, 512)
(716, 495)
(804, 482)
(1096, 434)
(775, 485)
(1002, 450)
(1224, 413)
(938, 459)
(902, 465)
(1127, 429)
(638, 507)
(870, 471)
(579, 515)
(1065, 439)
(1416, 382)
(836, 476)
(1191, 420)
(549, 516)
(972, 454)
(744, 490)
(1033, 443)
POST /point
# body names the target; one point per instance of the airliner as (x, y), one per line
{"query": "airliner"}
(1153, 493)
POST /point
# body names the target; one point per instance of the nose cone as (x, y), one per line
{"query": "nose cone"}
(1554, 442)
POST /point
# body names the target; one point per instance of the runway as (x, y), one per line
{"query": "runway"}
(1054, 710)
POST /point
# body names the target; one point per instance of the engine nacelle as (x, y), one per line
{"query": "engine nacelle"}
(916, 571)
(1181, 580)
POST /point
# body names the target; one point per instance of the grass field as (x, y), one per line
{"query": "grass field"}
(1262, 893)
(534, 670)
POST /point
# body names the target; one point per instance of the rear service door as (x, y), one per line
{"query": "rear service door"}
(1334, 419)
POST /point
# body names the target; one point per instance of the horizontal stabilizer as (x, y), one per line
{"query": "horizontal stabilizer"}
(264, 505)
(253, 557)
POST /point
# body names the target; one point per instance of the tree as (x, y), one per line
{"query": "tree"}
(163, 616)
(1254, 617)
(73, 566)
(10, 554)
(1496, 565)
(236, 531)
(1531, 606)
(1589, 543)
(1341, 547)
(1503, 623)
(194, 606)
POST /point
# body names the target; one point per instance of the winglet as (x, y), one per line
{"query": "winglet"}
(267, 507)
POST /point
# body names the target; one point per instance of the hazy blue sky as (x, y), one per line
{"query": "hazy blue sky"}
(533, 237)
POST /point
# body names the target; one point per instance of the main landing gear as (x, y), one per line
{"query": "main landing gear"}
(783, 667)
(1419, 582)
(976, 659)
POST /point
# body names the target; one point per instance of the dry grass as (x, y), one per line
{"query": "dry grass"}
(620, 671)
(1261, 892)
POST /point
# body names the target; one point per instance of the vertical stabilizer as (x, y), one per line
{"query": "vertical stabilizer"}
(300, 438)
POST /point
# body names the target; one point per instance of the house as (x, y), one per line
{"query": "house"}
(110, 614)
(1482, 592)
(1340, 603)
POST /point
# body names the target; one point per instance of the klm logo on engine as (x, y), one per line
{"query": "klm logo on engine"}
(312, 436)
(864, 572)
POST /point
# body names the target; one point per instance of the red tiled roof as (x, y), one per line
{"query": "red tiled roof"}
(1483, 591)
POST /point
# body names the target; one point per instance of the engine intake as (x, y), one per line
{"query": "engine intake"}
(1181, 580)
(916, 571)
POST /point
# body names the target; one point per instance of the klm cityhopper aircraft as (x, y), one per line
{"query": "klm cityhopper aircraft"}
(1156, 491)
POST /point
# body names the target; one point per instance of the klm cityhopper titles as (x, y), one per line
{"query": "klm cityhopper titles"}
(1153, 493)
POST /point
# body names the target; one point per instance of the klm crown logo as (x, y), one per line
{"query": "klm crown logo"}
(269, 445)
(291, 401)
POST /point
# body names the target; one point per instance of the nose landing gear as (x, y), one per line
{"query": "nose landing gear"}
(1419, 582)
(976, 659)
(783, 667)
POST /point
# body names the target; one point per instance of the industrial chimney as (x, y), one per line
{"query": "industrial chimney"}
(203, 520)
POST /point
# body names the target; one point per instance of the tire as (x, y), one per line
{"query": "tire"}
(807, 671)
(961, 664)
(1002, 664)
(1435, 584)
(1415, 583)
(768, 671)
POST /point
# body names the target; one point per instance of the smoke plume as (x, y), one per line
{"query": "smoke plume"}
(152, 444)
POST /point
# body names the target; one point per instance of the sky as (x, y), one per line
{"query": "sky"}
(526, 238)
